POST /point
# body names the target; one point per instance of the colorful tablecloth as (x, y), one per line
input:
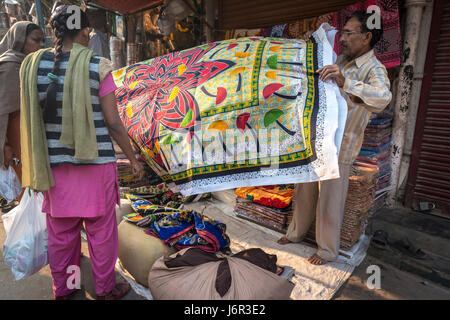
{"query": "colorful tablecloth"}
(236, 113)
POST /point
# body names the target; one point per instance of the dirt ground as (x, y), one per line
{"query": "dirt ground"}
(396, 284)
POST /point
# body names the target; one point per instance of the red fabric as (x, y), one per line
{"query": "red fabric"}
(388, 49)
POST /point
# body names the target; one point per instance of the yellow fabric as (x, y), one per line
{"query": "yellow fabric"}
(78, 129)
(366, 90)
(36, 171)
(272, 196)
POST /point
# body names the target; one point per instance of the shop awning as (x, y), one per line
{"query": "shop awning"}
(128, 6)
(234, 14)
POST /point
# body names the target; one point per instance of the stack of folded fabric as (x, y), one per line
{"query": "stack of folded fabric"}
(376, 154)
(268, 206)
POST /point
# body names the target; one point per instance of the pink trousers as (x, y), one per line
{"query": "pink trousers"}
(86, 194)
(64, 250)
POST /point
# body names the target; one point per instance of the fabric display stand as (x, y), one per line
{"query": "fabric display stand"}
(376, 154)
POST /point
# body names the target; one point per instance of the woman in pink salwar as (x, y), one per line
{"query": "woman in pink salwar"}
(85, 190)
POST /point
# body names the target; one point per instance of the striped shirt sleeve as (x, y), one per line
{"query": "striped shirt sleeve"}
(375, 93)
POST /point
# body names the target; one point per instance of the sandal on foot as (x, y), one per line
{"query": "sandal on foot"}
(67, 296)
(120, 290)
(406, 247)
(283, 240)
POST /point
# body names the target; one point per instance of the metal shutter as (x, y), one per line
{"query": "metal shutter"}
(429, 175)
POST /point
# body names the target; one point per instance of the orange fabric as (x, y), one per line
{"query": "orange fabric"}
(279, 196)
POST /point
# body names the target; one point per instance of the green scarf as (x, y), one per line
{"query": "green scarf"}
(78, 130)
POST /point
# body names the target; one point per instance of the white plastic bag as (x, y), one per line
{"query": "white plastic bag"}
(10, 186)
(25, 248)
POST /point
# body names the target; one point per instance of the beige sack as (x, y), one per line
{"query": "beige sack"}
(248, 282)
(138, 251)
(124, 209)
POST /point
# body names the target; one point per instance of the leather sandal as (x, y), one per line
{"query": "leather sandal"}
(67, 296)
(119, 291)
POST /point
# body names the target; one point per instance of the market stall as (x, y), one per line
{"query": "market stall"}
(148, 35)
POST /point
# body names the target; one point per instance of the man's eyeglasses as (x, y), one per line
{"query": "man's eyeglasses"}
(347, 33)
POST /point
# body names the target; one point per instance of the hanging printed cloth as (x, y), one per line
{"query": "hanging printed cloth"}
(388, 49)
(236, 113)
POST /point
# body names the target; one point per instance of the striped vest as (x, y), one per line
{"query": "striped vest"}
(58, 153)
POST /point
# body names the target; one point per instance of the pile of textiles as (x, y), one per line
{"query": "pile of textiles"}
(376, 154)
(125, 173)
(360, 199)
(159, 212)
(152, 202)
(387, 50)
(268, 206)
(187, 228)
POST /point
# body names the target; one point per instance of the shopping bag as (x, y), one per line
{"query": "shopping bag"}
(25, 247)
(10, 186)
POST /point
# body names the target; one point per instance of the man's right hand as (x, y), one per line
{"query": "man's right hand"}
(307, 35)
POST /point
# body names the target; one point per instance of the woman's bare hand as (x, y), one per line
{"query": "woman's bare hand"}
(138, 169)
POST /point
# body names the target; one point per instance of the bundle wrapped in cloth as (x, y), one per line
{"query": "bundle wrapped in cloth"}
(197, 275)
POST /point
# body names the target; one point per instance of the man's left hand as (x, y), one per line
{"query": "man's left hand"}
(332, 72)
